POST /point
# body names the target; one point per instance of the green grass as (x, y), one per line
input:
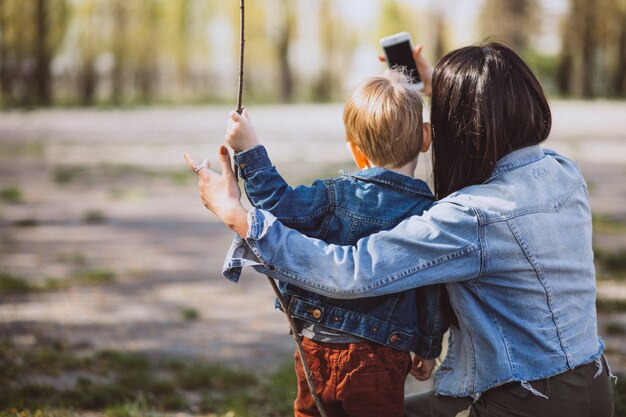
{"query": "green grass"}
(18, 148)
(95, 276)
(74, 258)
(122, 384)
(10, 284)
(94, 217)
(14, 285)
(12, 195)
(26, 222)
(613, 262)
(68, 174)
(190, 314)
(607, 224)
(128, 194)
(611, 305)
(137, 408)
(614, 328)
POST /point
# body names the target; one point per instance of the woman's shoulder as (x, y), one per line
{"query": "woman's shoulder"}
(457, 208)
(541, 186)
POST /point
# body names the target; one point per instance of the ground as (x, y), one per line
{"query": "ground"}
(107, 245)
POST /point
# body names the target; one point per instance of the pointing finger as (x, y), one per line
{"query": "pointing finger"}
(190, 161)
(227, 169)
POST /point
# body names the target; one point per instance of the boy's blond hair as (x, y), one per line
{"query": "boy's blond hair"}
(383, 117)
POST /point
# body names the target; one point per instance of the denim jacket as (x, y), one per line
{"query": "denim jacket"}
(515, 253)
(340, 211)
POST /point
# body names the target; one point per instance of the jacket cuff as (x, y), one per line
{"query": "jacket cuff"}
(252, 160)
(429, 347)
(259, 222)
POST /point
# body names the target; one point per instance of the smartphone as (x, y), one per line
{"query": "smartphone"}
(398, 51)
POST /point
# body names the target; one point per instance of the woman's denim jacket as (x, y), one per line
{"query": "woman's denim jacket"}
(515, 253)
(340, 211)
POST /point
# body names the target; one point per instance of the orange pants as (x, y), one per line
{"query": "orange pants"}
(352, 380)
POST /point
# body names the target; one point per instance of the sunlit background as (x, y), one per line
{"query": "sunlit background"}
(182, 51)
(111, 297)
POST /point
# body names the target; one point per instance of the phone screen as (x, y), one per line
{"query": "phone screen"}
(400, 55)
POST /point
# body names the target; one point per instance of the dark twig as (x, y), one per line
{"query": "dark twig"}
(292, 324)
(296, 336)
(242, 42)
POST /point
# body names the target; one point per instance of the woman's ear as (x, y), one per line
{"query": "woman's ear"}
(359, 158)
(427, 136)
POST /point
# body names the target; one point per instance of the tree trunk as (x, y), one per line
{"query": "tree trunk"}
(440, 34)
(325, 82)
(587, 52)
(619, 75)
(564, 74)
(42, 61)
(88, 83)
(4, 82)
(284, 41)
(119, 39)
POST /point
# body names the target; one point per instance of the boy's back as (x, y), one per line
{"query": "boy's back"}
(358, 350)
(342, 210)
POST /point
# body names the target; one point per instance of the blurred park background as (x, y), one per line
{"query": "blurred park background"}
(115, 52)
(111, 298)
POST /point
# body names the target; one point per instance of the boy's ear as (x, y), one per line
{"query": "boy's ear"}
(427, 136)
(359, 158)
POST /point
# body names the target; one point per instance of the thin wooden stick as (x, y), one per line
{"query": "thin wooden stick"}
(279, 296)
(242, 42)
(296, 336)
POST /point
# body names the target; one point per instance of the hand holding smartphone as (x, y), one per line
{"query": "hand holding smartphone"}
(398, 51)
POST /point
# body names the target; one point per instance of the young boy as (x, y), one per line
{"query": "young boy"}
(358, 350)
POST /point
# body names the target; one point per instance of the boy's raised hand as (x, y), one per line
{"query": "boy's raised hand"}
(422, 368)
(240, 132)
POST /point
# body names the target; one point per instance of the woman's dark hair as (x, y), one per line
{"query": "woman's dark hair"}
(486, 103)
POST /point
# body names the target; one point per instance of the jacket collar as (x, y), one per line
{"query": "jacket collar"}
(516, 159)
(393, 180)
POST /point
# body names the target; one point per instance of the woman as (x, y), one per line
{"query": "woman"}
(510, 237)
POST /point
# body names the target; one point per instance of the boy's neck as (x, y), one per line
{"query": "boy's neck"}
(408, 169)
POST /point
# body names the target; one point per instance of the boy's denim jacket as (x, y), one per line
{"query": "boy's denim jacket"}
(340, 211)
(515, 253)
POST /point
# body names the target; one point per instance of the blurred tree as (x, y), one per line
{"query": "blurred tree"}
(593, 48)
(512, 21)
(437, 12)
(88, 14)
(337, 43)
(4, 53)
(618, 86)
(183, 66)
(30, 35)
(147, 39)
(283, 43)
(119, 15)
(262, 77)
(42, 54)
(394, 17)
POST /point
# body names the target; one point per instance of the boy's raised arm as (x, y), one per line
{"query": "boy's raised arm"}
(302, 207)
